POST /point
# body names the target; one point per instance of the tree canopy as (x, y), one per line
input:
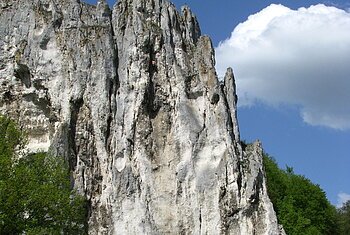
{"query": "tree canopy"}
(301, 206)
(344, 219)
(36, 196)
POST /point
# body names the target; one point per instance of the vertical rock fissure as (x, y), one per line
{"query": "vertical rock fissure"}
(73, 153)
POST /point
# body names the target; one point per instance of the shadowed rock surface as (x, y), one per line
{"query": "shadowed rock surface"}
(130, 97)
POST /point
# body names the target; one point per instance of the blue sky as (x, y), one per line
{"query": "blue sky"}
(293, 80)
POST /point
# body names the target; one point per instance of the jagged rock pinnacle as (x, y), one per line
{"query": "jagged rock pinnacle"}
(132, 100)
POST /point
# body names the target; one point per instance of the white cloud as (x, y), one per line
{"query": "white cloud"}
(293, 57)
(342, 198)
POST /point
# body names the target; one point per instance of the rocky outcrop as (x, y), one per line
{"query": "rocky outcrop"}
(130, 97)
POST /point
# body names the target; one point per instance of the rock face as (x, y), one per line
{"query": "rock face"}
(131, 99)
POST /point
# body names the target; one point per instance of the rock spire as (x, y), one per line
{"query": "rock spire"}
(130, 97)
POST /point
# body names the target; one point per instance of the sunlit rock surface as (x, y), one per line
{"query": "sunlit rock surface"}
(130, 97)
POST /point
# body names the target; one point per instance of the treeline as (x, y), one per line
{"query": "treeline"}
(301, 206)
(35, 190)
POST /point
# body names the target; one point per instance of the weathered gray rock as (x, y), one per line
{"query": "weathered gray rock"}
(131, 99)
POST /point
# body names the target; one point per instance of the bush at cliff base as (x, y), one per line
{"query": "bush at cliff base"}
(35, 190)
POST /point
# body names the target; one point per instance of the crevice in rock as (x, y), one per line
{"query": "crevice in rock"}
(215, 98)
(200, 219)
(23, 74)
(57, 22)
(258, 184)
(75, 106)
(8, 97)
(132, 143)
(179, 190)
(113, 86)
(239, 179)
(42, 104)
(45, 39)
(108, 133)
(190, 83)
(38, 85)
(150, 104)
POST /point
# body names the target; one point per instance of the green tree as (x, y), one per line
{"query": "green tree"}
(35, 190)
(300, 205)
(344, 219)
(10, 139)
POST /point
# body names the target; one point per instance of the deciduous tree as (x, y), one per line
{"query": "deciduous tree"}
(35, 190)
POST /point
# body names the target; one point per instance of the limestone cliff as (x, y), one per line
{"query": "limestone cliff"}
(131, 99)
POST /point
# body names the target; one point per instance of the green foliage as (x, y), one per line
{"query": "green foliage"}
(300, 205)
(10, 139)
(344, 219)
(35, 190)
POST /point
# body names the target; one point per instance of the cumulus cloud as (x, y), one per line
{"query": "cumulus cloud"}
(293, 57)
(342, 198)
